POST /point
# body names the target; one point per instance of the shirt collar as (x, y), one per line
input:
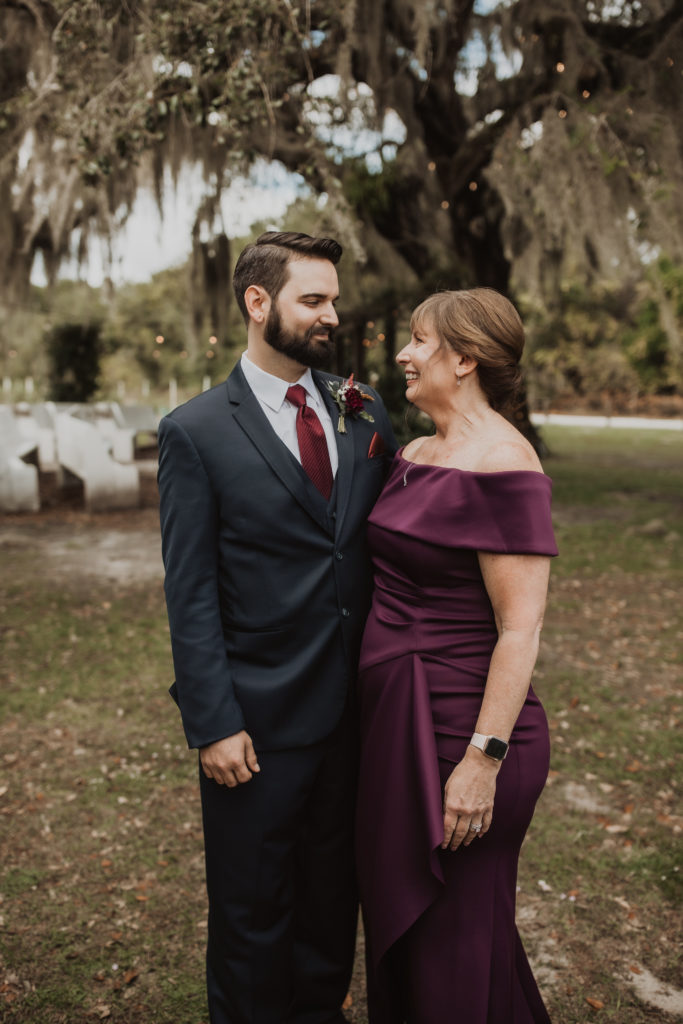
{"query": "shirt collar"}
(272, 390)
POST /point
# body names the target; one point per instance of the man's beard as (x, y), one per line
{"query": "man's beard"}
(299, 347)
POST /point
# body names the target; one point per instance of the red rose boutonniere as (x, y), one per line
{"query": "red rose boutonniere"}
(349, 399)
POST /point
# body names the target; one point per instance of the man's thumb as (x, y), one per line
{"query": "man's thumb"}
(251, 759)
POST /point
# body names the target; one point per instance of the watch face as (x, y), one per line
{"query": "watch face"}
(496, 748)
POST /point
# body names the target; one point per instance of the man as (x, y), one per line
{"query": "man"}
(264, 499)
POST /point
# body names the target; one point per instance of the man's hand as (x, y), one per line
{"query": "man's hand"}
(231, 760)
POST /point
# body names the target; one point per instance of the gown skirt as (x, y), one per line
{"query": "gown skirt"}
(441, 942)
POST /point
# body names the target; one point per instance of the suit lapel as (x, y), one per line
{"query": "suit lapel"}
(250, 416)
(345, 448)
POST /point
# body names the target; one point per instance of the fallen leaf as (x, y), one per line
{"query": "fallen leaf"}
(634, 766)
(102, 1010)
(636, 970)
(595, 1003)
(130, 976)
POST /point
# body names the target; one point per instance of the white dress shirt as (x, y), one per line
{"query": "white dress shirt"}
(271, 393)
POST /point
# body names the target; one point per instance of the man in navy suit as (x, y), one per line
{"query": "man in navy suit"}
(267, 587)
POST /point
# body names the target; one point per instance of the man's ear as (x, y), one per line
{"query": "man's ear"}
(257, 301)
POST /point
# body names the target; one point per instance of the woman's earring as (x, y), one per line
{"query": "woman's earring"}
(458, 380)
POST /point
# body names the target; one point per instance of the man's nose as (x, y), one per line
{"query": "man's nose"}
(329, 316)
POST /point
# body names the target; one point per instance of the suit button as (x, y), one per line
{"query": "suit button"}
(345, 612)
(338, 555)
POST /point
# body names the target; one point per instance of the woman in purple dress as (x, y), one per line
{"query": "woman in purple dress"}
(454, 741)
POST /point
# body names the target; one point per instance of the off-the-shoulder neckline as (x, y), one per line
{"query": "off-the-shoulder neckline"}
(472, 472)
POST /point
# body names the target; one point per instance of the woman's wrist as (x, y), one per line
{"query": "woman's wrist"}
(491, 745)
(477, 757)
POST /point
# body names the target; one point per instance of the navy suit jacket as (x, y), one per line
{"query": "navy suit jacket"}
(267, 584)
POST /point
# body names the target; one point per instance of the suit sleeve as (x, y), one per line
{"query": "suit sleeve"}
(189, 539)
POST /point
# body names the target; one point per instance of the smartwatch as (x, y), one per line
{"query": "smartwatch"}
(490, 745)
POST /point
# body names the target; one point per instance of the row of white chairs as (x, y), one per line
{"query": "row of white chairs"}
(95, 443)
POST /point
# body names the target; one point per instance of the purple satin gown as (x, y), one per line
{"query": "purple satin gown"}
(442, 946)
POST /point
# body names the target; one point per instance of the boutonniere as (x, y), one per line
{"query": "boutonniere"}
(349, 399)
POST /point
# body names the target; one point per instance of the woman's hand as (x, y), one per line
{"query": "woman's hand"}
(468, 799)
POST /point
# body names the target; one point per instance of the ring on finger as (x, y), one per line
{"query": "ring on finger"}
(476, 828)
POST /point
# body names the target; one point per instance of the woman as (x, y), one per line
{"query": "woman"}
(455, 742)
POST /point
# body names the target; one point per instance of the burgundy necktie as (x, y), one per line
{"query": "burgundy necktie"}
(315, 457)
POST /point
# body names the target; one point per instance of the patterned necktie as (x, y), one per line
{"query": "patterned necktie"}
(315, 457)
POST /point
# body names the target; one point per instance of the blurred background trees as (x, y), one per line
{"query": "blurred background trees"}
(529, 145)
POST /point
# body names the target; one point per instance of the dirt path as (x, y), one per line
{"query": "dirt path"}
(115, 547)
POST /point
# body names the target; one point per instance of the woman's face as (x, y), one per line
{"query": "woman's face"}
(429, 366)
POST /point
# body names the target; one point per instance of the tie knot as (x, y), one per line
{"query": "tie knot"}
(296, 394)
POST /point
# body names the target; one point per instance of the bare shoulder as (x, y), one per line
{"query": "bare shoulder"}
(510, 455)
(411, 449)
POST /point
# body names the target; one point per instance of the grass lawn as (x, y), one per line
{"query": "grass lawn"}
(102, 906)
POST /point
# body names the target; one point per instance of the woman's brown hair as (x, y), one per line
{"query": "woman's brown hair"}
(483, 324)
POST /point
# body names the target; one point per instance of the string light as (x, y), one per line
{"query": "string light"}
(210, 354)
(431, 166)
(562, 113)
(213, 340)
(473, 186)
(445, 204)
(559, 66)
(370, 324)
(159, 339)
(585, 94)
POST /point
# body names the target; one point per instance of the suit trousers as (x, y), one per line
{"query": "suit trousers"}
(281, 882)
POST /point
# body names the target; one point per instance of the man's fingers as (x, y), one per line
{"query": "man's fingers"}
(242, 773)
(230, 761)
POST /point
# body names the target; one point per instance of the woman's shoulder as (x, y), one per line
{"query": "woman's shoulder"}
(508, 455)
(409, 450)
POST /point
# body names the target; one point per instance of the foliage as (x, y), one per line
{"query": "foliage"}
(74, 351)
(605, 344)
(654, 342)
(539, 142)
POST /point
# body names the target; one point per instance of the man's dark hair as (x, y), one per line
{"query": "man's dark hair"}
(265, 262)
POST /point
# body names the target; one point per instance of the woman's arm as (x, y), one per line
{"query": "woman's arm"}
(517, 587)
